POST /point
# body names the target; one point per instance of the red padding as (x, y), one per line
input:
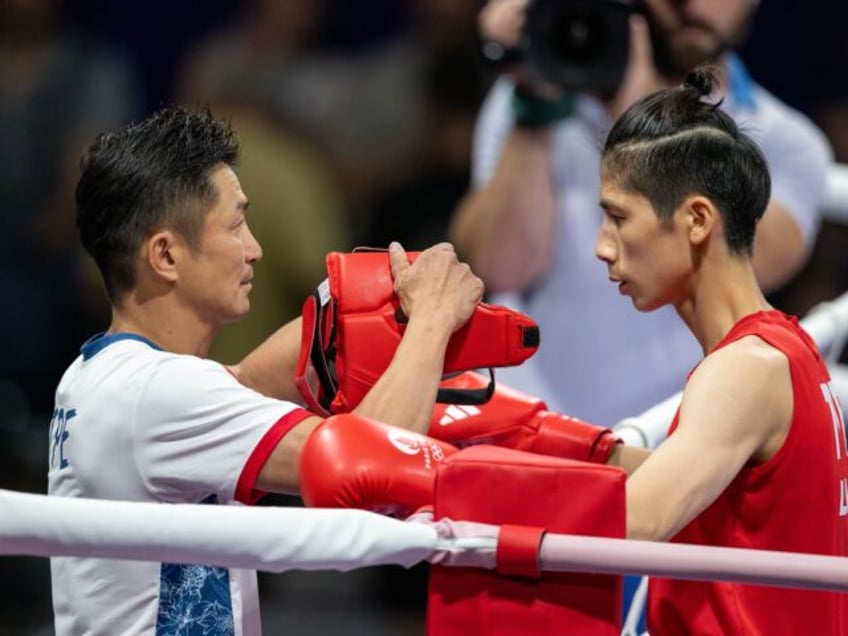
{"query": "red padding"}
(502, 486)
(518, 551)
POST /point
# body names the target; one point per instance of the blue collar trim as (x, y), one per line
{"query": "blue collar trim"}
(741, 86)
(100, 341)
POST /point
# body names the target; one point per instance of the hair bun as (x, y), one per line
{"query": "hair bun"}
(701, 79)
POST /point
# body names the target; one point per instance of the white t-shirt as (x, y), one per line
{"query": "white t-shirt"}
(600, 359)
(135, 423)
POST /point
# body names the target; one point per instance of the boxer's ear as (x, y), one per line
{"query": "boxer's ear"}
(700, 217)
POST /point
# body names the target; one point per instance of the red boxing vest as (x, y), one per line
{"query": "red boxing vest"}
(501, 486)
(797, 501)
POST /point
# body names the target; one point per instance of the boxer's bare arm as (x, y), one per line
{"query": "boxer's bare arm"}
(628, 457)
(736, 409)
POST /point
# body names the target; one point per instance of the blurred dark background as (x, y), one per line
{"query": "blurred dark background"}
(356, 119)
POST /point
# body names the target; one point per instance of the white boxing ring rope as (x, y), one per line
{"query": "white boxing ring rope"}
(272, 539)
(279, 539)
(570, 553)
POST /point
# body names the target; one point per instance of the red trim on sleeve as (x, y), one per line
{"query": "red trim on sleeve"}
(245, 492)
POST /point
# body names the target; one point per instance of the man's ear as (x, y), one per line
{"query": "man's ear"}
(701, 218)
(161, 253)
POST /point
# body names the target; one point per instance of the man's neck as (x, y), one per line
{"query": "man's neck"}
(159, 320)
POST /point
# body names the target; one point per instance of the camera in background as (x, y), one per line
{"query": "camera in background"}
(577, 44)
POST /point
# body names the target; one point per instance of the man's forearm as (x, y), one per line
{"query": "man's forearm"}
(506, 227)
(270, 367)
(779, 249)
(404, 395)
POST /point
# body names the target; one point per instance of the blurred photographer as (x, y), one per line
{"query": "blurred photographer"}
(529, 224)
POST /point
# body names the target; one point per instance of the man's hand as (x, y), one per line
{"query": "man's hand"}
(502, 21)
(437, 285)
(641, 76)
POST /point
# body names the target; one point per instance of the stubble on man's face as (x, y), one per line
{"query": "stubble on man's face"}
(683, 36)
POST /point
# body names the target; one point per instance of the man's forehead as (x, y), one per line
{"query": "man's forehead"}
(227, 183)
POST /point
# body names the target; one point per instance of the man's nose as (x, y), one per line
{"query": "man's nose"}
(254, 249)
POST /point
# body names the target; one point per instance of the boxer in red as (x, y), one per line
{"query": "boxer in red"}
(756, 455)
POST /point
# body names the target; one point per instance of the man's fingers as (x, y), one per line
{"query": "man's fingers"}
(398, 260)
(443, 246)
(502, 21)
(640, 41)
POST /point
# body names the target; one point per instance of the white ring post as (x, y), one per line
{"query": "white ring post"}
(835, 207)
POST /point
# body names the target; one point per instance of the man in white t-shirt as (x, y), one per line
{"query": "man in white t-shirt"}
(529, 224)
(141, 415)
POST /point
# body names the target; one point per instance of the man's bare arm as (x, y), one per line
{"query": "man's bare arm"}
(779, 248)
(506, 227)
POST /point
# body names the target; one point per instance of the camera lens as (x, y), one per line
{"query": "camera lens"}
(578, 38)
(578, 44)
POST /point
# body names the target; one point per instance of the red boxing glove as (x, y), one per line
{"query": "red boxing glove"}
(512, 419)
(353, 462)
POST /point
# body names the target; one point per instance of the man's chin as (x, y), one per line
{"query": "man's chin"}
(690, 56)
(684, 53)
(238, 316)
(685, 58)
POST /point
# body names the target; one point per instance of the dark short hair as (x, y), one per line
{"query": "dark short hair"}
(676, 143)
(145, 176)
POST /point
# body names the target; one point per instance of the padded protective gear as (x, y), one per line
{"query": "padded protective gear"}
(513, 419)
(511, 488)
(353, 325)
